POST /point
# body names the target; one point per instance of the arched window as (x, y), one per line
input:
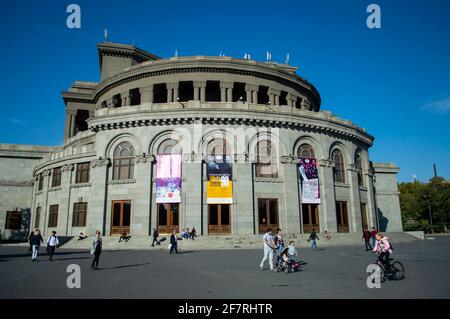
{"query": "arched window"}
(305, 151)
(266, 159)
(123, 161)
(169, 146)
(358, 164)
(338, 169)
(218, 146)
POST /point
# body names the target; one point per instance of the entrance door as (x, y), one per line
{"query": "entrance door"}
(121, 217)
(168, 218)
(219, 219)
(310, 214)
(342, 217)
(267, 214)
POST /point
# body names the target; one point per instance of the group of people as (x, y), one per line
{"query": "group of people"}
(369, 238)
(189, 234)
(274, 243)
(35, 240)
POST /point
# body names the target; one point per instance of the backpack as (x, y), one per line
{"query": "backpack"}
(390, 244)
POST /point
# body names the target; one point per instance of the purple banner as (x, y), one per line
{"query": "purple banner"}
(309, 181)
(168, 190)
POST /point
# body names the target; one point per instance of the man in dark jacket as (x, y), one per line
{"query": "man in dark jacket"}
(313, 237)
(366, 236)
(155, 237)
(36, 241)
(174, 242)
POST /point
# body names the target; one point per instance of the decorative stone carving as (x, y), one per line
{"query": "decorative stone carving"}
(122, 181)
(286, 159)
(68, 168)
(80, 185)
(54, 189)
(352, 167)
(47, 172)
(141, 159)
(325, 163)
(102, 161)
(16, 183)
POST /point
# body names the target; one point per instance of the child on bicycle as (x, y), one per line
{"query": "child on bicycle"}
(383, 248)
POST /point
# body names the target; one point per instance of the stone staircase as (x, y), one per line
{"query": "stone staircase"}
(228, 241)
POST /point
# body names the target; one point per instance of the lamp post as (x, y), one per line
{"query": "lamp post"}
(427, 197)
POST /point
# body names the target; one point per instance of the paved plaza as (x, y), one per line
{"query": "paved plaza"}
(332, 272)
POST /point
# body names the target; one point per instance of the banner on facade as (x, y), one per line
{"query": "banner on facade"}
(168, 178)
(219, 188)
(309, 181)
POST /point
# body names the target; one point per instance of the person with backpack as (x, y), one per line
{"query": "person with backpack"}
(384, 248)
(312, 238)
(52, 243)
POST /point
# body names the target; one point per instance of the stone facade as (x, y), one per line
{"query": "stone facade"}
(145, 101)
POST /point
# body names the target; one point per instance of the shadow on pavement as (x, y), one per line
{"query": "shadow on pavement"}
(42, 253)
(124, 266)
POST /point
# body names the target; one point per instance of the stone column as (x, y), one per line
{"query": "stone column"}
(226, 91)
(98, 216)
(109, 103)
(242, 218)
(196, 93)
(66, 208)
(45, 208)
(70, 114)
(125, 96)
(169, 93)
(192, 194)
(370, 206)
(252, 93)
(289, 100)
(175, 93)
(274, 96)
(327, 207)
(291, 196)
(146, 94)
(72, 123)
(230, 94)
(141, 219)
(354, 216)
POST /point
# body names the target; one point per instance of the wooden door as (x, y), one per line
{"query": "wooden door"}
(168, 218)
(219, 219)
(310, 213)
(342, 217)
(121, 217)
(267, 214)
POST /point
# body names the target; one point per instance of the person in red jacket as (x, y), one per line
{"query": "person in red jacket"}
(366, 236)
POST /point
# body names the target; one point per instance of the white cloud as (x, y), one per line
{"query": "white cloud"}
(440, 106)
(14, 121)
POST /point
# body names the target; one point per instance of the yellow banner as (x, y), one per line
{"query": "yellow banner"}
(219, 190)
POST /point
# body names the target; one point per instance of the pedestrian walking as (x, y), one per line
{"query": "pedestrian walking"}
(52, 243)
(96, 249)
(30, 250)
(269, 247)
(155, 238)
(312, 238)
(279, 244)
(173, 242)
(366, 236)
(193, 233)
(373, 233)
(36, 241)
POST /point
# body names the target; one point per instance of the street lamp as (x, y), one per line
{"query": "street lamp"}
(429, 212)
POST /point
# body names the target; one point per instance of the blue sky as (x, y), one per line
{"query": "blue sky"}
(394, 81)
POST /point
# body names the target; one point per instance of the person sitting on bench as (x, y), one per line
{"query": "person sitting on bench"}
(124, 237)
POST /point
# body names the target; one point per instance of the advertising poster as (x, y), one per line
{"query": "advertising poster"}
(168, 179)
(309, 181)
(219, 187)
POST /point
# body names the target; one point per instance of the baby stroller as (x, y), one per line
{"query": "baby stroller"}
(287, 263)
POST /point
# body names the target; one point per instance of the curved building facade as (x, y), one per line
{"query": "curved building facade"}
(228, 146)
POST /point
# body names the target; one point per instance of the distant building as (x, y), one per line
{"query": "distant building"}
(143, 149)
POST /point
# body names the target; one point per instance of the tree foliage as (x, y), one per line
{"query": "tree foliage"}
(418, 199)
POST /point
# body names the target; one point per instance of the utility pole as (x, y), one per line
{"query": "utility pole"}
(427, 197)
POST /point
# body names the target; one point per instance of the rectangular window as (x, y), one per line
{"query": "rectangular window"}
(13, 220)
(56, 177)
(53, 216)
(82, 175)
(41, 182)
(37, 217)
(79, 214)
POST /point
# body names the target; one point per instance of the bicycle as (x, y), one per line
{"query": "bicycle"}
(397, 270)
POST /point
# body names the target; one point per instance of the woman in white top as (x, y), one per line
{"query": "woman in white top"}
(52, 243)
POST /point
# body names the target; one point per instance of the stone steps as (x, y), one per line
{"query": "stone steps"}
(228, 241)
